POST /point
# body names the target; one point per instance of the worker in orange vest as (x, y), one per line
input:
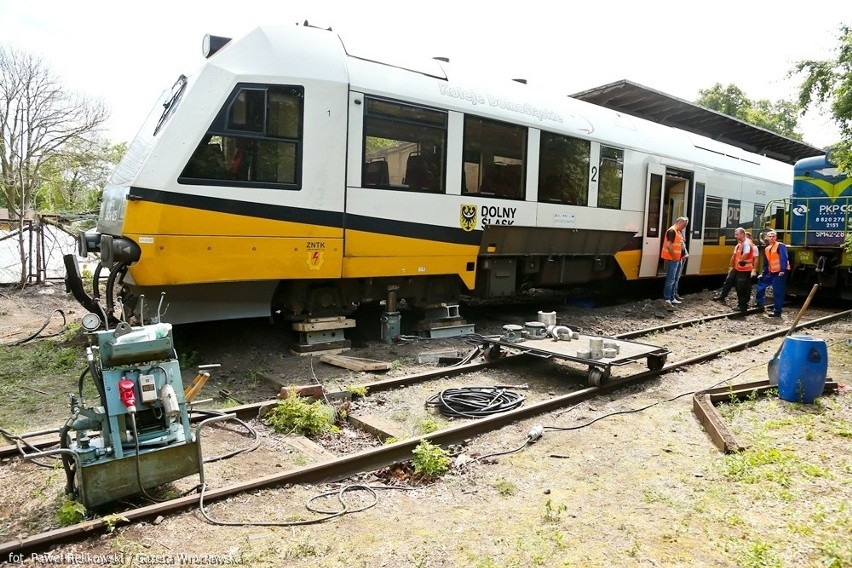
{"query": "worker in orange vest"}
(774, 274)
(743, 263)
(673, 254)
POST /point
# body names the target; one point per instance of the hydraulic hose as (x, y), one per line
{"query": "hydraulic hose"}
(475, 402)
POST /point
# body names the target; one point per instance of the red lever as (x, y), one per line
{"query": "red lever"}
(128, 397)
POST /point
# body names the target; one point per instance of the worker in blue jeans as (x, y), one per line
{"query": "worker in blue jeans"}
(775, 267)
(673, 253)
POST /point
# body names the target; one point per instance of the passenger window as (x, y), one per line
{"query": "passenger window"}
(713, 221)
(494, 155)
(563, 170)
(612, 175)
(405, 147)
(255, 140)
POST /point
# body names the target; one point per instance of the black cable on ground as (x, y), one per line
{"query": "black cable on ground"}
(20, 442)
(640, 409)
(252, 433)
(475, 402)
(36, 334)
(339, 493)
(532, 437)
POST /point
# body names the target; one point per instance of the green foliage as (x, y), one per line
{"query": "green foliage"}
(506, 488)
(430, 459)
(294, 414)
(112, 521)
(357, 391)
(39, 357)
(828, 83)
(779, 117)
(70, 513)
(188, 358)
(428, 425)
(759, 554)
(73, 178)
(552, 513)
(760, 464)
(835, 554)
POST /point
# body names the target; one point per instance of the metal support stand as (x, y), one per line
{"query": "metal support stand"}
(390, 320)
(444, 320)
(322, 334)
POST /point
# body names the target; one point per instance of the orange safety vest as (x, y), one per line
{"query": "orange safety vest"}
(748, 258)
(773, 258)
(677, 246)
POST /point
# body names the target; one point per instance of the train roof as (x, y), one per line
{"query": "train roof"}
(656, 106)
(320, 55)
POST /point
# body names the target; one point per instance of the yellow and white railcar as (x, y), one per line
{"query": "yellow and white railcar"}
(289, 175)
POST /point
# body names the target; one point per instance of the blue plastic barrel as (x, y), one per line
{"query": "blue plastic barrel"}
(802, 368)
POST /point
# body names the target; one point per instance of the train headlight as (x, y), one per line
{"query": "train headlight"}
(211, 44)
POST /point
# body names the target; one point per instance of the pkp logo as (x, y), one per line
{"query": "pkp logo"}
(800, 210)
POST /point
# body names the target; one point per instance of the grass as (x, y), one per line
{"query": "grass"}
(36, 380)
(795, 454)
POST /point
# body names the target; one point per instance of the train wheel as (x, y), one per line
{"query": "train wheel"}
(597, 376)
(656, 362)
(493, 352)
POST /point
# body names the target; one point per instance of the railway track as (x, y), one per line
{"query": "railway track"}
(376, 458)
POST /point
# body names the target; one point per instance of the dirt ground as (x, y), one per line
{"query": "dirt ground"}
(611, 482)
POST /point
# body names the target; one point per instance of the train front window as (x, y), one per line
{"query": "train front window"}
(405, 147)
(255, 140)
(612, 175)
(494, 158)
(563, 170)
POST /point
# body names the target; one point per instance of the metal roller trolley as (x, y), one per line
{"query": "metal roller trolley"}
(598, 352)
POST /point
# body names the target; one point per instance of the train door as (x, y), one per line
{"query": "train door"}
(653, 227)
(666, 199)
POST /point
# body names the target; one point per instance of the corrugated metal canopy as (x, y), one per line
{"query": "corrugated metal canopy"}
(643, 102)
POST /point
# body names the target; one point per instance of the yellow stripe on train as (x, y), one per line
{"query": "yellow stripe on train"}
(406, 256)
(145, 217)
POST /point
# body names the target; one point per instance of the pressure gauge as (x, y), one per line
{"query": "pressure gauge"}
(91, 322)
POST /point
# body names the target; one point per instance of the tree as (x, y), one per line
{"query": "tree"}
(73, 180)
(829, 83)
(37, 119)
(779, 117)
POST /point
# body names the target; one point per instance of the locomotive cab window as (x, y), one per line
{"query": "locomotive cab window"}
(563, 170)
(405, 147)
(256, 139)
(494, 155)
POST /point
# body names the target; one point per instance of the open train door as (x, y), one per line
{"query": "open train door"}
(653, 229)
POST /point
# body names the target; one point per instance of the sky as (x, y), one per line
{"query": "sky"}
(126, 54)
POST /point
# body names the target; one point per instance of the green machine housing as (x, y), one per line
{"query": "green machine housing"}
(121, 449)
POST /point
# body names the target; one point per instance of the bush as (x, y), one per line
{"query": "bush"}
(430, 459)
(294, 414)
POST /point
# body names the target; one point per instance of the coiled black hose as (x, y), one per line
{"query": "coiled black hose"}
(475, 402)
